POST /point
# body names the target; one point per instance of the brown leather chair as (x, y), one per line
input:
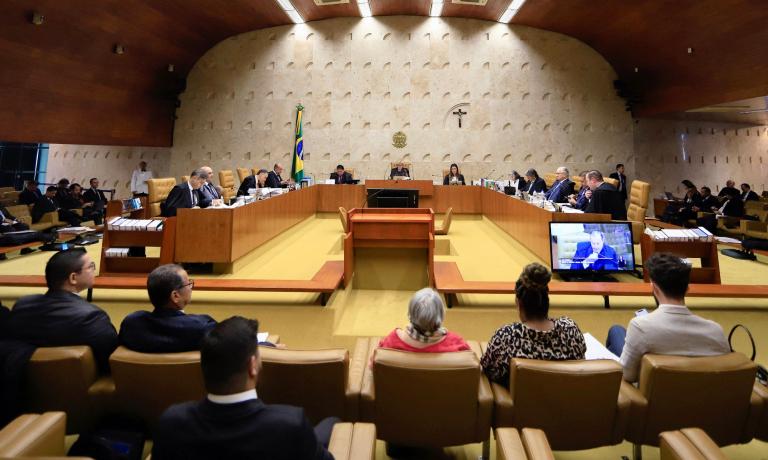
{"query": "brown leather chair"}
(609, 180)
(324, 382)
(344, 219)
(49, 220)
(405, 394)
(689, 444)
(65, 379)
(639, 194)
(761, 391)
(353, 441)
(147, 384)
(592, 412)
(550, 179)
(227, 182)
(446, 224)
(158, 190)
(532, 445)
(184, 179)
(242, 173)
(713, 393)
(34, 435)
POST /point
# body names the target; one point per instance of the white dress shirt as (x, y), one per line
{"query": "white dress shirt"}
(233, 398)
(139, 181)
(670, 330)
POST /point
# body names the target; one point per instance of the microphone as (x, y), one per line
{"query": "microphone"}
(376, 193)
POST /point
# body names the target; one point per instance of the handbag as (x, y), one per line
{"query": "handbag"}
(762, 373)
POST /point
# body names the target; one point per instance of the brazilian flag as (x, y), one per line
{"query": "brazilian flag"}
(297, 168)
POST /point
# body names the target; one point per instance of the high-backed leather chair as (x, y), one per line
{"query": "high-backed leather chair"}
(446, 224)
(577, 183)
(427, 399)
(324, 382)
(549, 179)
(531, 445)
(23, 214)
(761, 391)
(589, 409)
(34, 435)
(184, 179)
(754, 228)
(639, 194)
(353, 441)
(148, 383)
(612, 181)
(406, 164)
(158, 190)
(65, 379)
(227, 182)
(344, 217)
(242, 173)
(713, 393)
(689, 444)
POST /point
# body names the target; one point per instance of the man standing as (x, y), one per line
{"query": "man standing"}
(619, 176)
(273, 178)
(139, 180)
(561, 188)
(605, 199)
(186, 195)
(341, 176)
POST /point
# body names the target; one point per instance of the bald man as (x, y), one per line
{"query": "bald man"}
(273, 178)
(208, 190)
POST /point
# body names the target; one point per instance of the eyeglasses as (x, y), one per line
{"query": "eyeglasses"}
(191, 285)
(91, 266)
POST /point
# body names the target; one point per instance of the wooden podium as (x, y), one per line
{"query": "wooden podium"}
(708, 273)
(385, 231)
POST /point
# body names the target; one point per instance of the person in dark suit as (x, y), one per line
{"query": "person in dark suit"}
(341, 176)
(733, 207)
(605, 199)
(561, 188)
(186, 195)
(399, 171)
(619, 176)
(48, 204)
(96, 200)
(535, 183)
(686, 211)
(725, 192)
(209, 191)
(60, 317)
(62, 192)
(232, 422)
(274, 180)
(708, 201)
(747, 194)
(518, 182)
(253, 181)
(595, 254)
(30, 194)
(454, 177)
(581, 200)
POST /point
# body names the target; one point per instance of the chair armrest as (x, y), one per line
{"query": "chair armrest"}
(475, 347)
(756, 413)
(638, 406)
(34, 435)
(621, 418)
(754, 226)
(353, 441)
(484, 407)
(703, 214)
(536, 445)
(49, 218)
(340, 444)
(509, 446)
(367, 409)
(703, 443)
(675, 445)
(503, 412)
(357, 364)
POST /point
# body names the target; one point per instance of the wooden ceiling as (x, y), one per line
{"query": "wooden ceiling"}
(61, 81)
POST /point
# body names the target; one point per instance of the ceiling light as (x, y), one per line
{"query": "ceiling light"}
(437, 8)
(291, 11)
(171, 67)
(365, 8)
(510, 13)
(119, 49)
(37, 18)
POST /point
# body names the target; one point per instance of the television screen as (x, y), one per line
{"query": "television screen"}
(591, 247)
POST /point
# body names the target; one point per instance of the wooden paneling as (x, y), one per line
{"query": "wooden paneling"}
(463, 199)
(491, 11)
(398, 7)
(330, 197)
(311, 12)
(425, 187)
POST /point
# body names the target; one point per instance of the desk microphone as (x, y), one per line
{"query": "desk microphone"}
(367, 198)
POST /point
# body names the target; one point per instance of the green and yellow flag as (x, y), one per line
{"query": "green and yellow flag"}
(297, 168)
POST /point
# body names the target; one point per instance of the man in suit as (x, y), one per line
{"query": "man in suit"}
(259, 180)
(619, 176)
(562, 187)
(47, 203)
(341, 176)
(671, 329)
(8, 222)
(535, 183)
(605, 199)
(747, 194)
(725, 192)
(208, 190)
(399, 171)
(595, 254)
(708, 201)
(62, 192)
(97, 200)
(274, 180)
(732, 207)
(581, 200)
(60, 317)
(30, 194)
(186, 195)
(232, 422)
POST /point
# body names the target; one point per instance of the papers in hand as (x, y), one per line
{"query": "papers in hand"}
(596, 350)
(262, 336)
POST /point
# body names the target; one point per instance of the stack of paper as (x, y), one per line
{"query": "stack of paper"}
(123, 224)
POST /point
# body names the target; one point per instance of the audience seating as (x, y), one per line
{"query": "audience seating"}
(576, 183)
(443, 228)
(242, 173)
(353, 441)
(639, 194)
(65, 379)
(227, 182)
(34, 435)
(689, 444)
(756, 228)
(9, 197)
(23, 213)
(324, 382)
(532, 445)
(591, 410)
(762, 392)
(713, 393)
(158, 191)
(405, 393)
(344, 219)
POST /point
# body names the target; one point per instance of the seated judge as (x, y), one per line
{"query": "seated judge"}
(208, 190)
(747, 194)
(732, 207)
(594, 254)
(341, 176)
(518, 182)
(686, 210)
(232, 422)
(725, 192)
(708, 201)
(605, 198)
(399, 171)
(580, 200)
(30, 194)
(274, 180)
(454, 177)
(76, 200)
(60, 317)
(561, 188)
(187, 195)
(259, 180)
(535, 183)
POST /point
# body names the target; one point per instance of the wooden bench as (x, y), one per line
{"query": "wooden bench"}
(448, 280)
(325, 282)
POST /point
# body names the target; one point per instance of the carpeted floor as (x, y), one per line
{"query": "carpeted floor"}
(482, 251)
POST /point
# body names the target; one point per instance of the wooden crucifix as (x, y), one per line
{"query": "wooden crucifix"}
(460, 113)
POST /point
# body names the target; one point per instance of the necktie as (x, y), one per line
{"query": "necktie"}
(552, 191)
(194, 198)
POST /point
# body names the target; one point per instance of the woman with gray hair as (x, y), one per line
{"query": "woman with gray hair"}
(425, 331)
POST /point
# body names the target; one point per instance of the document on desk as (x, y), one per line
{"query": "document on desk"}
(569, 210)
(596, 350)
(262, 336)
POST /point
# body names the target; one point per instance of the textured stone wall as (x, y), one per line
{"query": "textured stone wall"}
(666, 152)
(112, 165)
(534, 99)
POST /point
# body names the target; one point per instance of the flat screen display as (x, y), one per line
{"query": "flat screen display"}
(596, 247)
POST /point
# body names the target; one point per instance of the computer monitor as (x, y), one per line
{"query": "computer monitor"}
(393, 198)
(590, 249)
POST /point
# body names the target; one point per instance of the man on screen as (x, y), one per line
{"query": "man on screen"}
(595, 254)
